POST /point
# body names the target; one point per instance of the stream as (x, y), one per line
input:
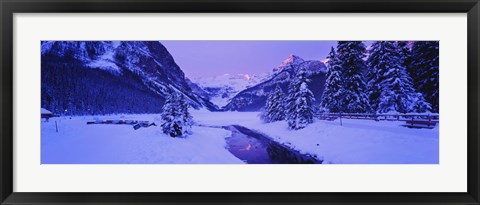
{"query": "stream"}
(255, 148)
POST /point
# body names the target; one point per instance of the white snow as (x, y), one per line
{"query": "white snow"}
(220, 101)
(228, 85)
(104, 64)
(107, 60)
(355, 142)
(79, 143)
(291, 60)
(44, 111)
(236, 81)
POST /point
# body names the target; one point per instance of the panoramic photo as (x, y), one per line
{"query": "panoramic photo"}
(239, 102)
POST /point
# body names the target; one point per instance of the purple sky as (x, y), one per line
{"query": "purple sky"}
(212, 58)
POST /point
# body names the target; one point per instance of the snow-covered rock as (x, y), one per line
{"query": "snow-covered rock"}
(292, 60)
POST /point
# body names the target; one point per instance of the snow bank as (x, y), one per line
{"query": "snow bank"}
(45, 111)
(356, 142)
(79, 143)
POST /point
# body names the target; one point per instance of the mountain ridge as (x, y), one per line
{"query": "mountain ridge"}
(254, 98)
(220, 89)
(147, 62)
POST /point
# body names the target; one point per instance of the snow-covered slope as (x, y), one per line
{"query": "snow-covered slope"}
(107, 60)
(79, 143)
(253, 98)
(111, 76)
(222, 88)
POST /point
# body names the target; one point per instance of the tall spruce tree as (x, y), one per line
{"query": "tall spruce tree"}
(350, 54)
(334, 91)
(420, 105)
(274, 108)
(405, 52)
(390, 85)
(377, 67)
(300, 102)
(186, 117)
(176, 120)
(425, 70)
(170, 115)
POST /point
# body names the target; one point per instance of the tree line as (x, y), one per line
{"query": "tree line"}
(70, 88)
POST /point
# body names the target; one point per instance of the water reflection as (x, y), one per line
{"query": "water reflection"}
(255, 148)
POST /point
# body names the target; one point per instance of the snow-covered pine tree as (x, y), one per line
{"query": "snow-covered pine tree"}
(176, 120)
(170, 115)
(333, 92)
(424, 70)
(186, 117)
(405, 52)
(299, 102)
(420, 105)
(376, 71)
(274, 108)
(390, 85)
(350, 54)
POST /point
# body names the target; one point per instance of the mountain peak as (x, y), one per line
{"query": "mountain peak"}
(235, 76)
(254, 98)
(292, 60)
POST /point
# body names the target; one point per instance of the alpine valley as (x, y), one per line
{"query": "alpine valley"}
(235, 102)
(103, 77)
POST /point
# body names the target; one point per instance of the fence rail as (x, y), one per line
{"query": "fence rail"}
(432, 117)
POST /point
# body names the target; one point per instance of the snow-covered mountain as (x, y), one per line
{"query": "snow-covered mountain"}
(111, 76)
(253, 98)
(222, 88)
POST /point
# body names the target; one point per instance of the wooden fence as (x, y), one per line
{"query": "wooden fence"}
(377, 117)
(428, 120)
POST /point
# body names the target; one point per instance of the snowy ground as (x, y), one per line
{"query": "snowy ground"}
(79, 143)
(356, 142)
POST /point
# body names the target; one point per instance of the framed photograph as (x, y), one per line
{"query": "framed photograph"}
(258, 102)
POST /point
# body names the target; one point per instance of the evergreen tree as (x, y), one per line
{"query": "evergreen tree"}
(420, 105)
(274, 108)
(405, 52)
(300, 99)
(70, 88)
(176, 120)
(186, 117)
(376, 71)
(425, 70)
(350, 54)
(390, 85)
(169, 116)
(333, 92)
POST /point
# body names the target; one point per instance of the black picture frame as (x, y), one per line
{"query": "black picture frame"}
(10, 7)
